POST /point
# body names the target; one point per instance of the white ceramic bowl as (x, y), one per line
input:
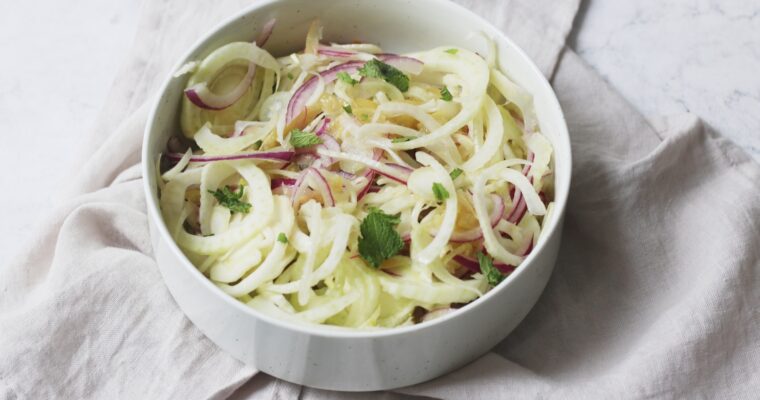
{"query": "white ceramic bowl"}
(357, 360)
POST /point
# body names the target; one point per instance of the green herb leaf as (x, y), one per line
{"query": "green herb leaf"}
(454, 174)
(493, 275)
(232, 200)
(257, 144)
(347, 108)
(446, 95)
(345, 77)
(282, 238)
(402, 139)
(299, 138)
(452, 51)
(379, 240)
(365, 117)
(378, 69)
(440, 192)
(290, 76)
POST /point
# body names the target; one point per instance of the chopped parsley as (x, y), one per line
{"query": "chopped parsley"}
(440, 192)
(232, 200)
(257, 144)
(345, 77)
(402, 139)
(452, 51)
(379, 240)
(290, 76)
(282, 238)
(299, 138)
(378, 69)
(454, 174)
(347, 109)
(493, 275)
(446, 95)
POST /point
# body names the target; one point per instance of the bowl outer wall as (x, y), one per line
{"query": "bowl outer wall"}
(338, 359)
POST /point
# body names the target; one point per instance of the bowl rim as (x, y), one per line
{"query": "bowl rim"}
(331, 331)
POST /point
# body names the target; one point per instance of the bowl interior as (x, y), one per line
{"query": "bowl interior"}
(398, 26)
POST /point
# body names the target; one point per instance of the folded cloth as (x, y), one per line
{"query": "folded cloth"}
(655, 293)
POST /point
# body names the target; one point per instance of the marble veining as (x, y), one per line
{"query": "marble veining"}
(672, 57)
(59, 60)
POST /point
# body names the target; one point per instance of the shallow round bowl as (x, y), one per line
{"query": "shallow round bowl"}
(338, 358)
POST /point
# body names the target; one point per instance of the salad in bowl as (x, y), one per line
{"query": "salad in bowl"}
(347, 186)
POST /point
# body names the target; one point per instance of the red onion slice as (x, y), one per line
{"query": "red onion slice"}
(331, 144)
(307, 155)
(518, 211)
(474, 266)
(322, 127)
(299, 187)
(520, 206)
(297, 103)
(264, 155)
(280, 182)
(528, 248)
(333, 52)
(347, 175)
(525, 171)
(369, 174)
(363, 192)
(200, 94)
(377, 154)
(319, 130)
(409, 65)
(497, 213)
(322, 187)
(402, 175)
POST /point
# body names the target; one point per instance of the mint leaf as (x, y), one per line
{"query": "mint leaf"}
(454, 174)
(232, 200)
(378, 69)
(440, 192)
(379, 240)
(347, 109)
(493, 275)
(446, 95)
(345, 77)
(452, 51)
(299, 138)
(402, 139)
(282, 238)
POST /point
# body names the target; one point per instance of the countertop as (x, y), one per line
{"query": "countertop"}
(60, 59)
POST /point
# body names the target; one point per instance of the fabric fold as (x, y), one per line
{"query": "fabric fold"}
(655, 293)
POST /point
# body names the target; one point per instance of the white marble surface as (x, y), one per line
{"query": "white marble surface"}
(60, 59)
(669, 57)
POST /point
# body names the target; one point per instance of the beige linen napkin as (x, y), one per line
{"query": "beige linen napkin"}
(655, 293)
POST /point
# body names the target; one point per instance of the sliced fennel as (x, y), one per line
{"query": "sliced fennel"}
(456, 161)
